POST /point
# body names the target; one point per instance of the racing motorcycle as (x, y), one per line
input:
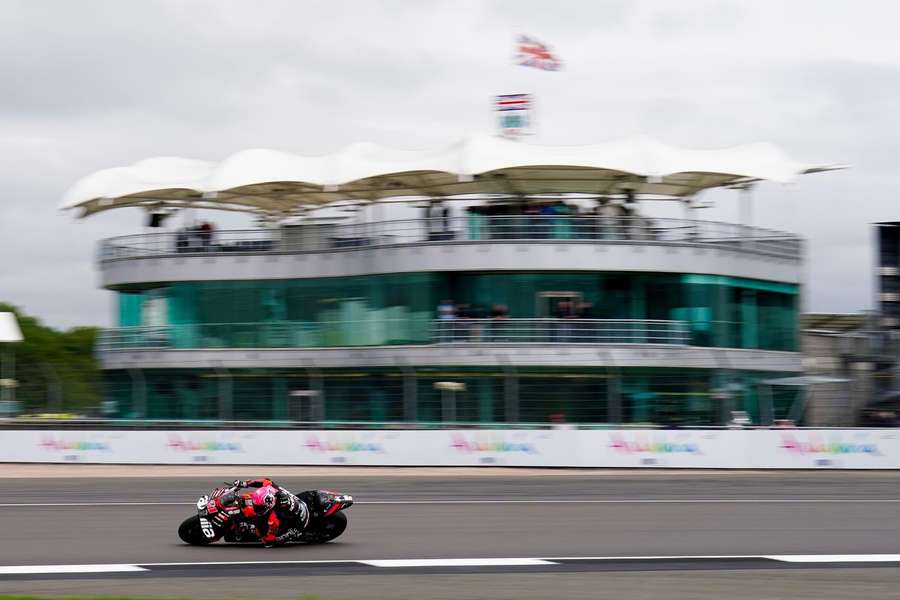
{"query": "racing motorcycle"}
(326, 519)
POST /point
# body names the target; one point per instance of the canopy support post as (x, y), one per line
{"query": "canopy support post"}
(746, 203)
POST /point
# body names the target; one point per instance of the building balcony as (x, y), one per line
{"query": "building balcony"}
(472, 342)
(472, 242)
(331, 237)
(295, 334)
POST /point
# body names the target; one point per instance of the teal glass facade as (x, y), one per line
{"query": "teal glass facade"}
(679, 397)
(399, 308)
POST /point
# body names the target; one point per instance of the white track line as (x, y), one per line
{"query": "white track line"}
(649, 501)
(444, 562)
(426, 562)
(546, 560)
(791, 558)
(457, 562)
(509, 501)
(48, 569)
(830, 558)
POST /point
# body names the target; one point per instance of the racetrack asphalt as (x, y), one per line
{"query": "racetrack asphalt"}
(78, 521)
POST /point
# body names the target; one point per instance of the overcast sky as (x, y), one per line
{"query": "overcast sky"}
(89, 85)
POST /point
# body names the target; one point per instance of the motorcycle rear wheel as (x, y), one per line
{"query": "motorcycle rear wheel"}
(326, 530)
(190, 532)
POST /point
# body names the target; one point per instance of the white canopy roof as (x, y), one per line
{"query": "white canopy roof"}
(9, 328)
(278, 182)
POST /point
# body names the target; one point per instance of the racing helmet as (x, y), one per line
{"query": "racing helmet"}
(264, 499)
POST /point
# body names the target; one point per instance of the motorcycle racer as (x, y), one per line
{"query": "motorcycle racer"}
(276, 515)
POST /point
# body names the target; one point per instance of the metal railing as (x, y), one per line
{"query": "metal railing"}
(296, 334)
(324, 237)
(559, 331)
(80, 422)
(269, 334)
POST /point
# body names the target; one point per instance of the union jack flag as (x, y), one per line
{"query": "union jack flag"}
(532, 53)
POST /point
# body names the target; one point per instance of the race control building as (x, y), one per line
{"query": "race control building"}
(488, 282)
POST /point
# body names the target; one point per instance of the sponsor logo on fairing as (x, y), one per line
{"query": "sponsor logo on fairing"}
(639, 445)
(60, 445)
(341, 446)
(461, 444)
(180, 444)
(207, 528)
(816, 445)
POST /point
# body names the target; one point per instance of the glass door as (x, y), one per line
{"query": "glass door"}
(557, 304)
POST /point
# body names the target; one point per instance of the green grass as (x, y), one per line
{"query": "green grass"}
(306, 597)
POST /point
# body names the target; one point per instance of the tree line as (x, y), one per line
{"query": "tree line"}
(55, 369)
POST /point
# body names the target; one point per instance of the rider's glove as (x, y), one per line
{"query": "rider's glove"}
(289, 502)
(239, 483)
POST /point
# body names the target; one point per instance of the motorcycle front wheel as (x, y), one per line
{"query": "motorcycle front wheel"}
(190, 532)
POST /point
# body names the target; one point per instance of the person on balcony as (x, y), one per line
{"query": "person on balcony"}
(584, 311)
(463, 329)
(610, 213)
(206, 234)
(446, 314)
(497, 326)
(566, 313)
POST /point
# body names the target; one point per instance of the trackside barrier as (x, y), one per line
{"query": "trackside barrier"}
(696, 449)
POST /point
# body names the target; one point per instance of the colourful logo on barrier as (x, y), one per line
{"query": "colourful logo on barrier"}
(179, 444)
(658, 446)
(345, 446)
(461, 444)
(818, 446)
(60, 445)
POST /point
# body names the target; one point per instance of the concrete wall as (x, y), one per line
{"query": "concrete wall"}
(628, 448)
(462, 256)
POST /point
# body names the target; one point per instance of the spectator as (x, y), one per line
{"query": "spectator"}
(181, 240)
(446, 314)
(611, 215)
(565, 310)
(206, 232)
(546, 218)
(585, 331)
(499, 313)
(479, 315)
(445, 219)
(585, 310)
(428, 211)
(585, 223)
(532, 221)
(464, 322)
(562, 225)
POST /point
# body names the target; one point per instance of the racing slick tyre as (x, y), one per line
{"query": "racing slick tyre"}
(326, 530)
(191, 532)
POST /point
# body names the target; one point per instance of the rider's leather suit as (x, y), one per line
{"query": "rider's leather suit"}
(282, 524)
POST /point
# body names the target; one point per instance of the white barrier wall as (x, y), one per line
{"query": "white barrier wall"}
(703, 449)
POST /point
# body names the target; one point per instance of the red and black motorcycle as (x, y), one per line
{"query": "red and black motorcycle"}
(326, 519)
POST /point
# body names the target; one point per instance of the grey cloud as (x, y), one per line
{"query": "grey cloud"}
(94, 84)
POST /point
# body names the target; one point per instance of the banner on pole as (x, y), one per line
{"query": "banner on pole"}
(514, 115)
